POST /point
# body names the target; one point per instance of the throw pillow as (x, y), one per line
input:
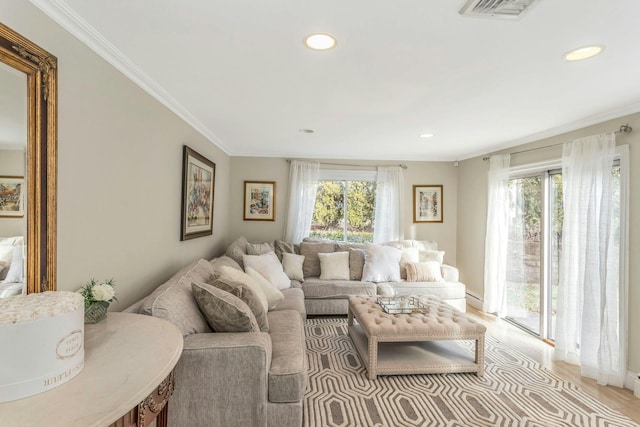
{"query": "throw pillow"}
(259, 248)
(408, 255)
(282, 248)
(334, 266)
(224, 312)
(356, 264)
(424, 272)
(269, 266)
(273, 294)
(15, 274)
(292, 265)
(310, 250)
(431, 255)
(381, 263)
(237, 249)
(246, 280)
(247, 295)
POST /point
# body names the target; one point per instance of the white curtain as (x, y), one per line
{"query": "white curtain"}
(497, 237)
(588, 330)
(303, 183)
(389, 223)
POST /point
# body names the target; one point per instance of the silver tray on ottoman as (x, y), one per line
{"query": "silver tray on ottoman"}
(401, 305)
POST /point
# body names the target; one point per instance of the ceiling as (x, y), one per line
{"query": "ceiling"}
(237, 70)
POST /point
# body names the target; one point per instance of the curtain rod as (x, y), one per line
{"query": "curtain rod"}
(357, 166)
(623, 129)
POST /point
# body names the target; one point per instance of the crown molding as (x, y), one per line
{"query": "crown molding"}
(66, 17)
(595, 119)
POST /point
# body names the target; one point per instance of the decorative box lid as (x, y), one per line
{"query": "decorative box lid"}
(25, 308)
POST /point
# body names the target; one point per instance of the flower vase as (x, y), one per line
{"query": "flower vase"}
(96, 312)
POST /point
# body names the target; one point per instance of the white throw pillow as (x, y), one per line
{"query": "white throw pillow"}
(408, 255)
(16, 269)
(334, 266)
(292, 265)
(381, 263)
(273, 294)
(424, 272)
(430, 255)
(234, 275)
(269, 266)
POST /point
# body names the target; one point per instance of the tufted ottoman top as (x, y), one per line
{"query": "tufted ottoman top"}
(440, 321)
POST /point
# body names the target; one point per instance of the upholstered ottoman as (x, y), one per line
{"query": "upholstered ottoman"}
(415, 343)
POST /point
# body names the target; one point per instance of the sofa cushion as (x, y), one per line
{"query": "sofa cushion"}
(420, 244)
(270, 267)
(173, 300)
(246, 294)
(442, 290)
(288, 373)
(281, 248)
(224, 312)
(293, 300)
(381, 263)
(310, 250)
(273, 294)
(259, 248)
(334, 266)
(316, 288)
(292, 265)
(237, 249)
(224, 260)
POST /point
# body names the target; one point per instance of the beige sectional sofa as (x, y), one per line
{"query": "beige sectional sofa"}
(328, 297)
(232, 378)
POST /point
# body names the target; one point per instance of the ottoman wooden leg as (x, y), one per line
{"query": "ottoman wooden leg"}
(373, 358)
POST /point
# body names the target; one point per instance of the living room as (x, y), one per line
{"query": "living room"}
(120, 168)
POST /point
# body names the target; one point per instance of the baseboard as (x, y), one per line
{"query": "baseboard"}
(632, 382)
(474, 300)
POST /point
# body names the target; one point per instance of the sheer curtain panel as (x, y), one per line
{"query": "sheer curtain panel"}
(589, 331)
(303, 183)
(388, 223)
(497, 237)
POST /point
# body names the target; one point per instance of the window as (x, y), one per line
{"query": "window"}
(345, 206)
(344, 211)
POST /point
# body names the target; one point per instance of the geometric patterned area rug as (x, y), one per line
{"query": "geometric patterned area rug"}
(514, 391)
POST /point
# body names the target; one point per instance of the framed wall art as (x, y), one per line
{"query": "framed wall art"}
(12, 190)
(427, 203)
(259, 201)
(198, 183)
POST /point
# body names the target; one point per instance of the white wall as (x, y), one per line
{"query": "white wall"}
(277, 169)
(119, 171)
(12, 163)
(472, 202)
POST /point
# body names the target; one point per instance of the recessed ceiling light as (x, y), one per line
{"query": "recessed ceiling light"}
(320, 41)
(305, 130)
(426, 135)
(584, 52)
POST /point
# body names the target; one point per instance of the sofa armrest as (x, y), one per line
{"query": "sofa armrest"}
(222, 380)
(450, 273)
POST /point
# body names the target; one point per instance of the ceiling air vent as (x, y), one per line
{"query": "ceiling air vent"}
(507, 9)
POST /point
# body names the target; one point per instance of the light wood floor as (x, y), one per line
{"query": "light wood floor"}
(621, 400)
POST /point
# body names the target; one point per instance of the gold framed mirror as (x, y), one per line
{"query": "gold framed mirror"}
(40, 170)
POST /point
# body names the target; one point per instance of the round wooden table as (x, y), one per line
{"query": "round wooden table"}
(127, 378)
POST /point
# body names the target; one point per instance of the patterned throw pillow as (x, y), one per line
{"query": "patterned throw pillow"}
(224, 312)
(424, 272)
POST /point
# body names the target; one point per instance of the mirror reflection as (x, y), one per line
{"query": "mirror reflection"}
(13, 185)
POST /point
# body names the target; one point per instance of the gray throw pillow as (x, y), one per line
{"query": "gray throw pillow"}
(224, 312)
(259, 248)
(356, 264)
(281, 248)
(310, 250)
(247, 295)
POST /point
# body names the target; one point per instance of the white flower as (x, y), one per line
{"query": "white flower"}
(102, 292)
